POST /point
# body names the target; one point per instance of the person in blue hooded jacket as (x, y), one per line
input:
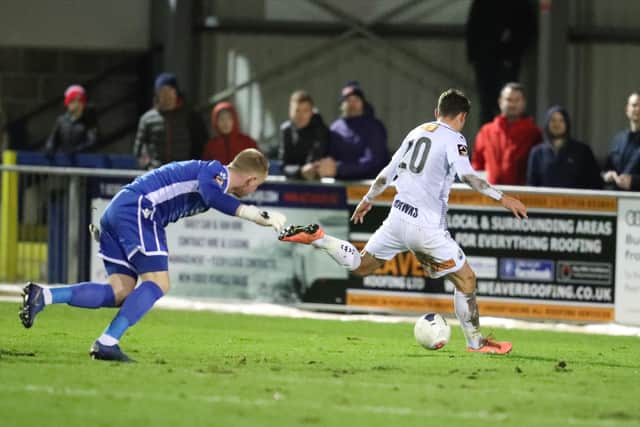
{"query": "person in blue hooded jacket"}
(561, 161)
(358, 140)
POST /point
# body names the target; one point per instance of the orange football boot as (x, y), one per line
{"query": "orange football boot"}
(493, 347)
(304, 234)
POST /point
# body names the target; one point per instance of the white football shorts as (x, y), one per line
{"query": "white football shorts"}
(438, 253)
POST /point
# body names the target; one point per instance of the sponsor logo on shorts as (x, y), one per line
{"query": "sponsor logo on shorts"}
(406, 208)
(146, 212)
(442, 266)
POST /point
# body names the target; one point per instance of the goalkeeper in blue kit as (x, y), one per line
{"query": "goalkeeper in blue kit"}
(133, 242)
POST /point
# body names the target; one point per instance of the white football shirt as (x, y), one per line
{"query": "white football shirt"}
(423, 169)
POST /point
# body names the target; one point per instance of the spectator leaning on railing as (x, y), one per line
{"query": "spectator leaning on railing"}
(228, 140)
(622, 170)
(358, 140)
(76, 130)
(561, 161)
(304, 138)
(170, 131)
(502, 146)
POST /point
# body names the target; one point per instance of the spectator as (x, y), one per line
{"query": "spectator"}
(623, 162)
(76, 130)
(502, 146)
(498, 34)
(304, 138)
(561, 161)
(627, 182)
(229, 141)
(169, 131)
(358, 140)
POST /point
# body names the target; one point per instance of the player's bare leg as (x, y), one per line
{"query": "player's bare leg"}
(160, 278)
(466, 308)
(368, 264)
(122, 286)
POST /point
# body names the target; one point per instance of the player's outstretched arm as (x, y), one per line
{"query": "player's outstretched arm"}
(510, 203)
(262, 217)
(361, 210)
(514, 205)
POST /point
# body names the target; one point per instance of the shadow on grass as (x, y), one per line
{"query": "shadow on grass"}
(516, 357)
(13, 353)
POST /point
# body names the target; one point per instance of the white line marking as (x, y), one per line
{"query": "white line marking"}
(277, 401)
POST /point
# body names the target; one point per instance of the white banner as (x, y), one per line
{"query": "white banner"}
(212, 255)
(627, 299)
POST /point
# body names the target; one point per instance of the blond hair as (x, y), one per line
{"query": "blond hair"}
(250, 161)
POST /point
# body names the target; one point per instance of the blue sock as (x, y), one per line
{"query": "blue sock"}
(136, 305)
(86, 294)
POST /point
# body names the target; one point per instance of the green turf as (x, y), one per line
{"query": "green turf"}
(206, 369)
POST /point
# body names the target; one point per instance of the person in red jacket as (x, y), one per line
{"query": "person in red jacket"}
(502, 146)
(229, 141)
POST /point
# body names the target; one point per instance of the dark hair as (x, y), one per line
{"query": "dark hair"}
(514, 86)
(301, 96)
(453, 102)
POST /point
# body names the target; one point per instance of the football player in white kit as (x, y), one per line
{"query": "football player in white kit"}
(422, 171)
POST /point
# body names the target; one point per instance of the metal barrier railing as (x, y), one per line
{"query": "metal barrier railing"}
(44, 214)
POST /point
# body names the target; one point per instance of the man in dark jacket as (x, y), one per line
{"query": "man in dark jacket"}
(169, 131)
(358, 140)
(76, 130)
(561, 161)
(622, 170)
(304, 138)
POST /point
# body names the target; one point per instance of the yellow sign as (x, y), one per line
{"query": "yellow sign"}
(424, 303)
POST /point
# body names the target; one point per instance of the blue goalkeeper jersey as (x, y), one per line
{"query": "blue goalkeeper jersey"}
(182, 189)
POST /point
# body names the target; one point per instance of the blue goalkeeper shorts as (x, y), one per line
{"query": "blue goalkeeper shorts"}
(131, 242)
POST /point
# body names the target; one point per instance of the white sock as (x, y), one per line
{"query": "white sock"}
(46, 294)
(466, 308)
(343, 252)
(108, 340)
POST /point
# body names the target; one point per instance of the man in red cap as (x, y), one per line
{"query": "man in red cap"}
(76, 130)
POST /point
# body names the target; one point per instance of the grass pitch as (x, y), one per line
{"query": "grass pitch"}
(206, 369)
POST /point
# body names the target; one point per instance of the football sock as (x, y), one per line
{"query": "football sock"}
(343, 252)
(466, 308)
(136, 305)
(86, 294)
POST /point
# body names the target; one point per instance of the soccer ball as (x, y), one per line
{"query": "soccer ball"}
(432, 331)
